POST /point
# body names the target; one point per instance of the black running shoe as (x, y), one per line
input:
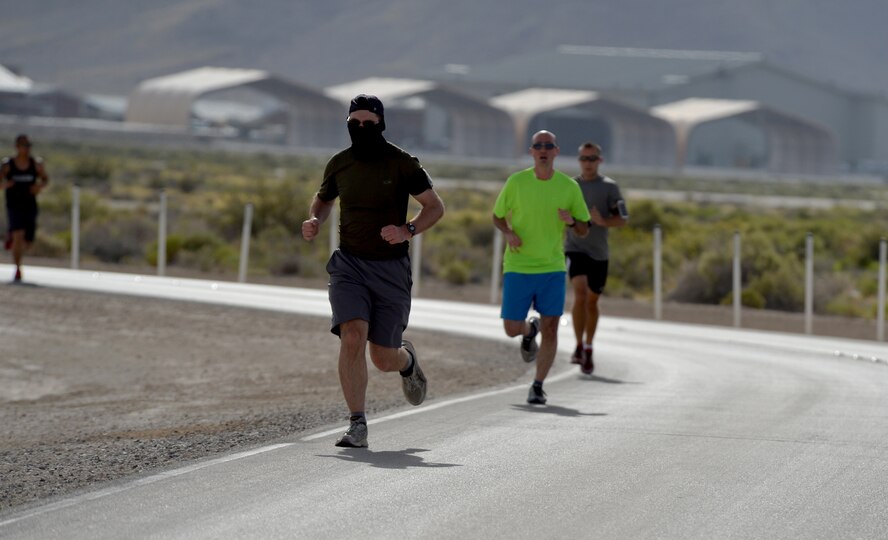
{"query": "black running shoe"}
(577, 357)
(529, 347)
(588, 365)
(536, 396)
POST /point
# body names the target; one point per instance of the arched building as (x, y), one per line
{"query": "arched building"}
(422, 115)
(747, 135)
(627, 135)
(247, 103)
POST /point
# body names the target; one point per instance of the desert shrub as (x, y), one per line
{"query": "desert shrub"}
(848, 305)
(92, 170)
(214, 257)
(692, 286)
(783, 288)
(748, 298)
(645, 214)
(828, 287)
(118, 238)
(455, 272)
(49, 245)
(173, 246)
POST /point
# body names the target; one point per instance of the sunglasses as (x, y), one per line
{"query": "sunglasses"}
(540, 146)
(593, 159)
(365, 123)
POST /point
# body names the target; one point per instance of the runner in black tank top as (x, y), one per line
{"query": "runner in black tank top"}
(22, 177)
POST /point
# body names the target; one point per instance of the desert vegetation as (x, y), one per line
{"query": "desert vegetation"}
(207, 191)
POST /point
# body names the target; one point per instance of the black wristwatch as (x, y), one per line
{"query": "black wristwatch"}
(411, 228)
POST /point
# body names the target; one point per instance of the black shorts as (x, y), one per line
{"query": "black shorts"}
(580, 264)
(374, 291)
(23, 219)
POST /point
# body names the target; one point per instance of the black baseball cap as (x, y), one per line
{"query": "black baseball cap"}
(366, 102)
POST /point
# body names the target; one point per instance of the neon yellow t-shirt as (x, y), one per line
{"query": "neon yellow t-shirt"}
(531, 207)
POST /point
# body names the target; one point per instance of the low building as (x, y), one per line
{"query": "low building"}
(423, 115)
(243, 103)
(653, 77)
(743, 134)
(628, 135)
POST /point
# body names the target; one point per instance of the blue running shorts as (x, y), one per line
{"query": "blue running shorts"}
(543, 292)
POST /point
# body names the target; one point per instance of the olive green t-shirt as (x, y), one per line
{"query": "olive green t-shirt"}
(531, 207)
(372, 194)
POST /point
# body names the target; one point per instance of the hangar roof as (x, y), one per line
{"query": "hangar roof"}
(698, 110)
(169, 99)
(11, 82)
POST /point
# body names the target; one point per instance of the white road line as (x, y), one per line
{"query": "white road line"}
(71, 501)
(555, 378)
(65, 503)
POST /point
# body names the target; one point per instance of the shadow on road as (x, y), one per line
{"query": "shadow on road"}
(388, 459)
(22, 284)
(554, 409)
(596, 378)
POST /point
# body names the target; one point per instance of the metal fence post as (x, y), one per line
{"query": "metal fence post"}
(75, 227)
(738, 290)
(658, 273)
(496, 267)
(880, 317)
(416, 262)
(334, 228)
(245, 244)
(809, 283)
(161, 235)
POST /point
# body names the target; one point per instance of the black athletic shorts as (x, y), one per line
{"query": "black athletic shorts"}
(580, 264)
(23, 219)
(374, 291)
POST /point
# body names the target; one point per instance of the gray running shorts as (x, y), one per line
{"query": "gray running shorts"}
(374, 291)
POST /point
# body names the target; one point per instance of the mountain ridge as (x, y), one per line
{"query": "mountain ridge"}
(108, 47)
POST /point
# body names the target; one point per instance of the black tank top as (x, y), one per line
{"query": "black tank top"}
(20, 193)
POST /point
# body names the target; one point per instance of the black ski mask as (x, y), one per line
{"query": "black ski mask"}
(366, 136)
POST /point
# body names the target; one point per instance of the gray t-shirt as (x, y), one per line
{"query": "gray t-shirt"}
(601, 193)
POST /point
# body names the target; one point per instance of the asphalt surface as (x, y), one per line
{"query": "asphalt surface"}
(682, 432)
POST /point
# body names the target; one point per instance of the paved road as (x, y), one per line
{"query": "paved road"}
(683, 432)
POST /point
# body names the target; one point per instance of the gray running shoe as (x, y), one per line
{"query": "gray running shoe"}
(536, 396)
(529, 347)
(355, 436)
(415, 385)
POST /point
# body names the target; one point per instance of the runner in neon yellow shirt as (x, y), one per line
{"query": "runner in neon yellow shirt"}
(533, 210)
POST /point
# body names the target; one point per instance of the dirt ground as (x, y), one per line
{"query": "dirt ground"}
(96, 387)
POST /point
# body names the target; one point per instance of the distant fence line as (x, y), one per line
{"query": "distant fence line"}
(497, 257)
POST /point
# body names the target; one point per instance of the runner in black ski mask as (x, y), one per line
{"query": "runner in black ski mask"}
(366, 132)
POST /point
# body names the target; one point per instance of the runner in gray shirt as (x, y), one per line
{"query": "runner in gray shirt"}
(587, 257)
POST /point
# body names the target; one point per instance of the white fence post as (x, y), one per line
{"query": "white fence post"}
(809, 283)
(416, 262)
(161, 235)
(496, 265)
(738, 289)
(245, 244)
(880, 317)
(333, 218)
(658, 273)
(75, 228)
